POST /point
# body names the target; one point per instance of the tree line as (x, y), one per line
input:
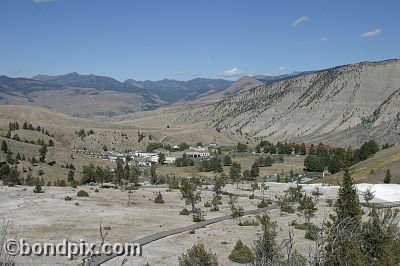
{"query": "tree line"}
(338, 159)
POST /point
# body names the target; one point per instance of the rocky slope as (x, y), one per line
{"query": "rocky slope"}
(343, 105)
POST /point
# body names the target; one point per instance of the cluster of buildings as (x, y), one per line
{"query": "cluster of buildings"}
(143, 159)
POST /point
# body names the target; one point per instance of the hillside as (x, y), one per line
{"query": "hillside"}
(373, 169)
(63, 131)
(343, 106)
(120, 133)
(243, 84)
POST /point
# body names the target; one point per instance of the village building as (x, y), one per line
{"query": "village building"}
(197, 152)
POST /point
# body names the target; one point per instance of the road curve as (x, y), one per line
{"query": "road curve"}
(98, 260)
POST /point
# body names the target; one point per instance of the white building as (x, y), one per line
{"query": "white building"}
(154, 159)
(114, 158)
(170, 160)
(144, 154)
(197, 152)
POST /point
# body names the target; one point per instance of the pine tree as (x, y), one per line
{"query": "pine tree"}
(234, 172)
(307, 208)
(189, 193)
(254, 171)
(227, 160)
(388, 177)
(127, 171)
(348, 205)
(9, 158)
(42, 158)
(159, 198)
(266, 248)
(241, 253)
(4, 146)
(119, 173)
(198, 255)
(153, 174)
(38, 189)
(344, 241)
(71, 175)
(161, 158)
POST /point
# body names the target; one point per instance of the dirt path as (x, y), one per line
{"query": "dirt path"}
(98, 260)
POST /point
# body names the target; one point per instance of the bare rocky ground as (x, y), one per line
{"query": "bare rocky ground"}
(48, 217)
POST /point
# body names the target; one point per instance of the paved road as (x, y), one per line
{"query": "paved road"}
(98, 260)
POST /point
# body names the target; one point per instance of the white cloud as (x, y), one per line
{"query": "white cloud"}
(42, 1)
(372, 33)
(14, 72)
(178, 73)
(234, 72)
(300, 20)
(323, 39)
(281, 68)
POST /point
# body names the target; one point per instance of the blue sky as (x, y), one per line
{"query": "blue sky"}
(182, 39)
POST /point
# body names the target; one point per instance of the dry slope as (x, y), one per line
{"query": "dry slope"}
(343, 105)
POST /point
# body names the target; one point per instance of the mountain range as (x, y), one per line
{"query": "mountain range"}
(93, 95)
(345, 105)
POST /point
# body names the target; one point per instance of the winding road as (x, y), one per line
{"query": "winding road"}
(100, 259)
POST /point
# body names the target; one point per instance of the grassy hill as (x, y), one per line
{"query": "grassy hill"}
(373, 169)
(114, 134)
(343, 106)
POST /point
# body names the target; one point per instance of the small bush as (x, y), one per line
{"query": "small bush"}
(251, 196)
(192, 232)
(304, 226)
(249, 223)
(197, 217)
(82, 193)
(264, 203)
(207, 204)
(38, 189)
(293, 223)
(241, 253)
(330, 202)
(215, 209)
(184, 211)
(96, 190)
(67, 198)
(317, 192)
(74, 184)
(173, 185)
(237, 212)
(312, 232)
(288, 209)
(159, 199)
